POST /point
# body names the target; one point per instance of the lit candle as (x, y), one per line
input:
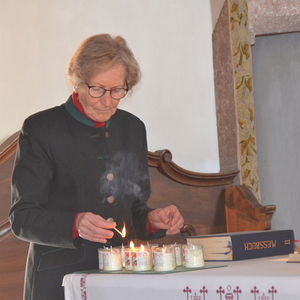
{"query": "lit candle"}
(141, 259)
(112, 259)
(128, 259)
(193, 256)
(163, 258)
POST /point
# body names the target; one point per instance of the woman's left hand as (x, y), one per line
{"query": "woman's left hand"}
(168, 218)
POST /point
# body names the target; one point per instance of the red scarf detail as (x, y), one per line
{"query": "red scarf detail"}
(80, 108)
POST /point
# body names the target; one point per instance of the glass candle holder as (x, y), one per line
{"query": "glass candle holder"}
(122, 251)
(128, 259)
(193, 256)
(141, 259)
(152, 246)
(183, 252)
(163, 258)
(100, 258)
(178, 254)
(172, 246)
(112, 259)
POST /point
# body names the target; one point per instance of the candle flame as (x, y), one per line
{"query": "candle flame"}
(131, 245)
(142, 248)
(124, 231)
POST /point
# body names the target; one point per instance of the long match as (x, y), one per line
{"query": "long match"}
(119, 232)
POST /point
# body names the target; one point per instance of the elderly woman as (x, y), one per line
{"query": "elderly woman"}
(81, 170)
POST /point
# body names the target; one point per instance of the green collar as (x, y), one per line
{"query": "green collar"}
(76, 114)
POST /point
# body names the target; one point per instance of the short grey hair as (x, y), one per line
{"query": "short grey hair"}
(99, 53)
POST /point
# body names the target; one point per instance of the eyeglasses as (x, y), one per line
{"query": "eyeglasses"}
(97, 92)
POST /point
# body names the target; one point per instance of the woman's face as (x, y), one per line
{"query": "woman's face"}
(101, 109)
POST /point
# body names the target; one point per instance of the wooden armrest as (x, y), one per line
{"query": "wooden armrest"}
(5, 230)
(188, 229)
(244, 212)
(8, 148)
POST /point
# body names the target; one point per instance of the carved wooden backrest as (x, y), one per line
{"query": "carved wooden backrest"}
(199, 197)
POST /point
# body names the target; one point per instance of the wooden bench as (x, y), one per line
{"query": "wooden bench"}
(209, 203)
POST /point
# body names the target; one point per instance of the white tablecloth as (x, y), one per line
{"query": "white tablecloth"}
(269, 278)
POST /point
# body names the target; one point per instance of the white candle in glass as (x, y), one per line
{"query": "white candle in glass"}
(194, 256)
(122, 251)
(128, 259)
(100, 258)
(172, 248)
(183, 247)
(152, 246)
(141, 259)
(112, 259)
(163, 258)
(178, 254)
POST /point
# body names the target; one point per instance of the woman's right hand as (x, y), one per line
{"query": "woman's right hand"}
(94, 228)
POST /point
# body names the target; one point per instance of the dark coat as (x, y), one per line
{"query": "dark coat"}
(63, 166)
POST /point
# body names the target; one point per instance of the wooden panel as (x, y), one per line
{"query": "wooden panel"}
(244, 212)
(5, 194)
(201, 207)
(13, 253)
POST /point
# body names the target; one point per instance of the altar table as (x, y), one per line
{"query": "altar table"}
(270, 278)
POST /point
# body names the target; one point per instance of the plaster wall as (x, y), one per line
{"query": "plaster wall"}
(171, 40)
